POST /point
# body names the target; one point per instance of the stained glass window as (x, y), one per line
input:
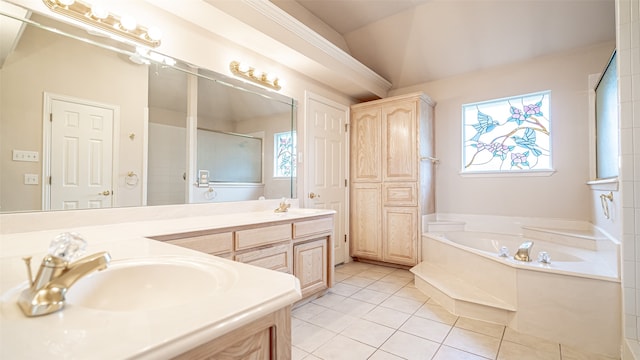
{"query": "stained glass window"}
(285, 154)
(507, 135)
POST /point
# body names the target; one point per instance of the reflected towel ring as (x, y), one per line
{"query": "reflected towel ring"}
(210, 194)
(131, 179)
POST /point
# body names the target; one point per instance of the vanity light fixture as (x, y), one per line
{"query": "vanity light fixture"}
(98, 16)
(250, 73)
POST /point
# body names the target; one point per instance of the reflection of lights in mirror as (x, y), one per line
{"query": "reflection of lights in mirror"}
(97, 15)
(134, 89)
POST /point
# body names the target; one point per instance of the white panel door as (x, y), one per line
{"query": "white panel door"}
(81, 156)
(327, 159)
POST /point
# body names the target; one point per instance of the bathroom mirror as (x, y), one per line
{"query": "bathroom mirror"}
(162, 116)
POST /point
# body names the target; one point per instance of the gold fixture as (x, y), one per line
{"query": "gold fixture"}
(283, 207)
(605, 204)
(46, 292)
(98, 16)
(250, 73)
(132, 136)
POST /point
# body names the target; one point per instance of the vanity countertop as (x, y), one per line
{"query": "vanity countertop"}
(80, 332)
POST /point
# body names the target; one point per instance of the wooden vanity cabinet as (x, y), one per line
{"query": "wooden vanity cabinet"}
(302, 247)
(268, 338)
(392, 177)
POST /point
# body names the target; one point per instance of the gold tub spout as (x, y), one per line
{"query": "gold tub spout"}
(523, 251)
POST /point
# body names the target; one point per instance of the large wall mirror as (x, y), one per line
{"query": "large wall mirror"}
(111, 128)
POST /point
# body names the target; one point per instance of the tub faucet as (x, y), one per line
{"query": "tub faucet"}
(523, 251)
(46, 293)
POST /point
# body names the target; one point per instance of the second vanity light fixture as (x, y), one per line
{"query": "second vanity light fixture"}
(98, 16)
(250, 73)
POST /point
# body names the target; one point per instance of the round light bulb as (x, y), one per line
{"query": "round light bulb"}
(243, 67)
(99, 12)
(128, 22)
(154, 33)
(66, 2)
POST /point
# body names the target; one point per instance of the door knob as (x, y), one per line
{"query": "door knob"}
(313, 195)
(105, 193)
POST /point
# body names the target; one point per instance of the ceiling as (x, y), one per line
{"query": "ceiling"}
(410, 42)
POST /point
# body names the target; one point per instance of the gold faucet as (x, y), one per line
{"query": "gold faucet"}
(523, 251)
(283, 207)
(46, 293)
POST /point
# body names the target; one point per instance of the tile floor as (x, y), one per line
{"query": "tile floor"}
(375, 312)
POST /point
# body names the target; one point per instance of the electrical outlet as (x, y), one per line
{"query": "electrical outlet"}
(31, 179)
(22, 155)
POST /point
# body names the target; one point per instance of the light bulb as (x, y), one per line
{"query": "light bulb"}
(66, 2)
(243, 67)
(128, 22)
(99, 12)
(154, 33)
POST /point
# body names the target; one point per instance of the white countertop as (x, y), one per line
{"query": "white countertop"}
(80, 332)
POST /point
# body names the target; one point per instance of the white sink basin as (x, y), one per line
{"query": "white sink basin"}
(144, 284)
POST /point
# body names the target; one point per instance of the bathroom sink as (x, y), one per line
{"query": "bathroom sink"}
(145, 284)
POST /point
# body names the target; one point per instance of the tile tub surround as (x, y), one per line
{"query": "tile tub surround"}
(376, 312)
(157, 333)
(575, 300)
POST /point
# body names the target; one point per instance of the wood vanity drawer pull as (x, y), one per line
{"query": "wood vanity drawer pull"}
(250, 238)
(211, 244)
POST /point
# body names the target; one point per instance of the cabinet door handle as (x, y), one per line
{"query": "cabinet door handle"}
(313, 195)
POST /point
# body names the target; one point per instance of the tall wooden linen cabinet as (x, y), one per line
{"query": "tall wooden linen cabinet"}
(392, 177)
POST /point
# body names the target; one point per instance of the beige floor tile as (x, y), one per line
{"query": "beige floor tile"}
(374, 274)
(370, 296)
(387, 317)
(410, 346)
(449, 353)
(368, 332)
(308, 337)
(481, 327)
(297, 353)
(510, 351)
(386, 287)
(473, 342)
(437, 313)
(394, 279)
(354, 307)
(344, 289)
(344, 348)
(383, 355)
(329, 300)
(338, 276)
(332, 320)
(570, 353)
(531, 341)
(306, 311)
(412, 292)
(358, 281)
(425, 328)
(403, 304)
(312, 357)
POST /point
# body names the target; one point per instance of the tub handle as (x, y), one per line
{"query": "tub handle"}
(605, 204)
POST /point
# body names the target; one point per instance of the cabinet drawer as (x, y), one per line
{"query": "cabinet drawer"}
(250, 238)
(400, 194)
(277, 258)
(310, 227)
(211, 244)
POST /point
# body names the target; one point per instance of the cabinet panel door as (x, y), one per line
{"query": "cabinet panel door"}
(366, 220)
(400, 194)
(365, 145)
(310, 267)
(400, 227)
(399, 152)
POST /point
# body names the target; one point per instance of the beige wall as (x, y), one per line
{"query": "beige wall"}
(45, 62)
(562, 195)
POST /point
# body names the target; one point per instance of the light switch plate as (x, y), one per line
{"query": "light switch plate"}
(22, 155)
(31, 179)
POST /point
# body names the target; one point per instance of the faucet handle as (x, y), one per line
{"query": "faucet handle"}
(27, 262)
(68, 246)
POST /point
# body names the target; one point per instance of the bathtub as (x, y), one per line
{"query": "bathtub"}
(575, 299)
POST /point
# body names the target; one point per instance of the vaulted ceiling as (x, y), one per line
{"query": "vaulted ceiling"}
(410, 42)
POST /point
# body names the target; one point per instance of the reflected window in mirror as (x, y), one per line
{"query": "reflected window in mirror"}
(607, 122)
(285, 154)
